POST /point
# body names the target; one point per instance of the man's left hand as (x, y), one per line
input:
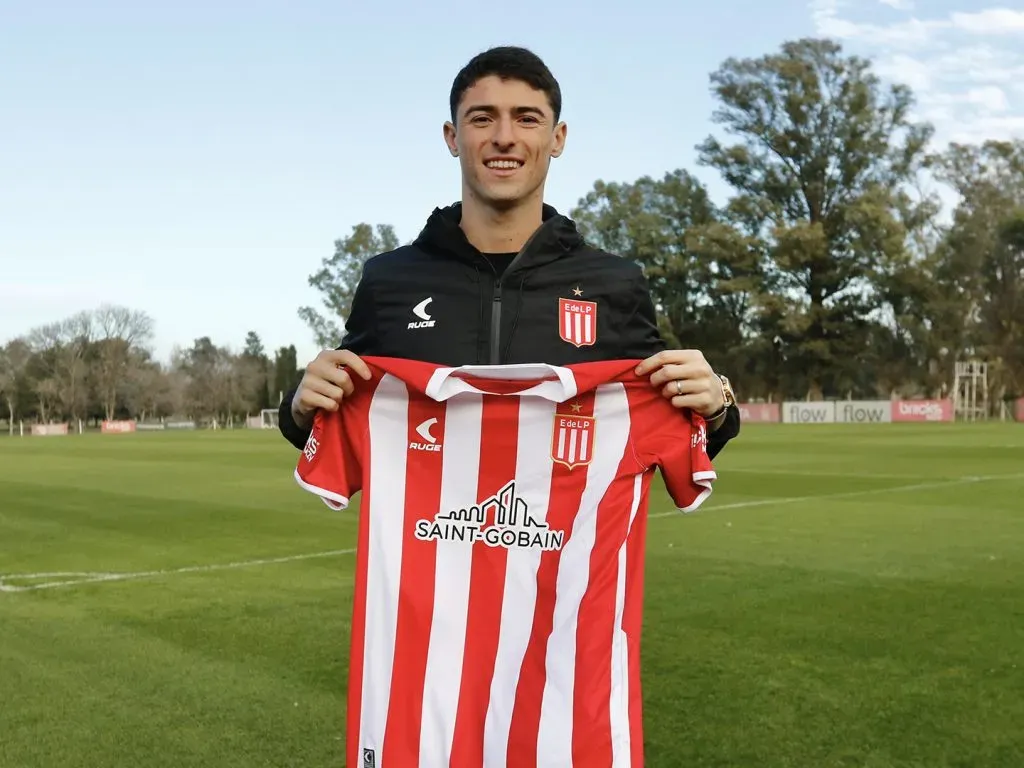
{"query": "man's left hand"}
(686, 379)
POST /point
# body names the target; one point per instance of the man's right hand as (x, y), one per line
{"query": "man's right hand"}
(326, 383)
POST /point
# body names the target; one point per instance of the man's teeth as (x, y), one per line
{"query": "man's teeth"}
(503, 164)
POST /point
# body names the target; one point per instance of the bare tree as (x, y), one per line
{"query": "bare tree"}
(120, 332)
(62, 348)
(14, 360)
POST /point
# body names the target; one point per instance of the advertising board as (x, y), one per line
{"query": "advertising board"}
(1020, 410)
(759, 412)
(44, 430)
(863, 411)
(117, 427)
(922, 410)
(809, 412)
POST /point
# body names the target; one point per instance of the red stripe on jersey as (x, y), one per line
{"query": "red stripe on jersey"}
(416, 590)
(632, 619)
(566, 491)
(499, 440)
(357, 643)
(595, 625)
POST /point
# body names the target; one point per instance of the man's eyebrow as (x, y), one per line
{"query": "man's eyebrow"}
(490, 109)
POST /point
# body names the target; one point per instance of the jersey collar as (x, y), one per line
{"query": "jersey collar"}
(550, 382)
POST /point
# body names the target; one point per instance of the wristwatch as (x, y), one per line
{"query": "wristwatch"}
(730, 399)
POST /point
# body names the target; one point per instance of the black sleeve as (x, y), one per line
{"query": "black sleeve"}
(729, 429)
(643, 339)
(360, 337)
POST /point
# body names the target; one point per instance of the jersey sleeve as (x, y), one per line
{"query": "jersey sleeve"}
(676, 441)
(330, 465)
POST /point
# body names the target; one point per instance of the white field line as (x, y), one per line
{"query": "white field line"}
(93, 577)
(849, 494)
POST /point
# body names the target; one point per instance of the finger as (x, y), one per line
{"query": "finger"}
(701, 404)
(686, 371)
(311, 401)
(653, 362)
(335, 391)
(355, 363)
(344, 358)
(669, 357)
(681, 387)
(695, 402)
(331, 374)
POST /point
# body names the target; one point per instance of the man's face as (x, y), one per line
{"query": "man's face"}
(505, 137)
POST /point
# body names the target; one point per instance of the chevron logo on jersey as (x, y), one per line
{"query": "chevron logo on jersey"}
(577, 322)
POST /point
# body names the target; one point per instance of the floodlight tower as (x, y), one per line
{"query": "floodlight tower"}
(970, 390)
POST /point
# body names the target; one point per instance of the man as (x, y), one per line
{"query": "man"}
(501, 277)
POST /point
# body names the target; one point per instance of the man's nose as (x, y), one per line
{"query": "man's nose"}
(504, 136)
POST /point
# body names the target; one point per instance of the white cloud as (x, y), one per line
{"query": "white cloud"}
(966, 68)
(992, 21)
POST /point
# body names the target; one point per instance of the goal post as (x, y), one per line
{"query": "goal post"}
(268, 418)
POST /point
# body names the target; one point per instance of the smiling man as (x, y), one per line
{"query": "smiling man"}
(499, 278)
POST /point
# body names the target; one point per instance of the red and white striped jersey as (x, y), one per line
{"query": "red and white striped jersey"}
(499, 565)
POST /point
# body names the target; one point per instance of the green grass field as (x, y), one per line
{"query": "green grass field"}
(849, 596)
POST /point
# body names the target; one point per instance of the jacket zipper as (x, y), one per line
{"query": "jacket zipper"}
(496, 323)
(495, 353)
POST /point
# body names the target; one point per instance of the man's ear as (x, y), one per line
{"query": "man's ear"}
(449, 138)
(558, 141)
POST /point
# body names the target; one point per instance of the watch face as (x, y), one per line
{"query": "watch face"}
(730, 397)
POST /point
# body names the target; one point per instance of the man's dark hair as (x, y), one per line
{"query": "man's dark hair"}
(509, 63)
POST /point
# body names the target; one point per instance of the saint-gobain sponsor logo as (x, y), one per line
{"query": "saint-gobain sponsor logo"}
(864, 411)
(922, 410)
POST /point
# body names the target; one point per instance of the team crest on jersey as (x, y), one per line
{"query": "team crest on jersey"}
(572, 439)
(577, 321)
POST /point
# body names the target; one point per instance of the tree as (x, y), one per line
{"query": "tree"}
(257, 366)
(979, 264)
(286, 370)
(671, 228)
(14, 360)
(337, 278)
(821, 164)
(121, 332)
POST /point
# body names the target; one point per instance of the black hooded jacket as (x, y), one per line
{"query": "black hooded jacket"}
(442, 301)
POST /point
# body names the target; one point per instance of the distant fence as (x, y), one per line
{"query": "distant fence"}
(854, 411)
(789, 412)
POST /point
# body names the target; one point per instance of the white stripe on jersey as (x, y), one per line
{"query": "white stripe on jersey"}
(388, 416)
(619, 703)
(459, 481)
(533, 482)
(554, 742)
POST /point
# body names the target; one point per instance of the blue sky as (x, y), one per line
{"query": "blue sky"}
(197, 160)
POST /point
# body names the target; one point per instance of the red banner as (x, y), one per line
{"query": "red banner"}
(117, 427)
(760, 412)
(1020, 409)
(922, 410)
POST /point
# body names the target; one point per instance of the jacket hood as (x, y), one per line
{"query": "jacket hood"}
(556, 237)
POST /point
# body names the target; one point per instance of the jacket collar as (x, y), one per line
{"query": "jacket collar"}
(556, 237)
